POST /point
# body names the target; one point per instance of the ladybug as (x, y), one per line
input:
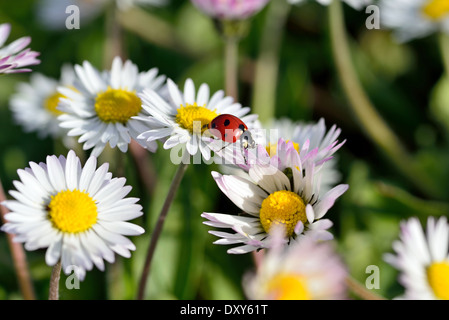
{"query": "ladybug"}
(230, 128)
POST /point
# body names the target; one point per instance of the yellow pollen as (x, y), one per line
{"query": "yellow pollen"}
(117, 105)
(436, 9)
(438, 277)
(282, 207)
(272, 148)
(72, 211)
(51, 103)
(194, 118)
(286, 286)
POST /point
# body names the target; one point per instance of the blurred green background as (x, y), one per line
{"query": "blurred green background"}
(405, 83)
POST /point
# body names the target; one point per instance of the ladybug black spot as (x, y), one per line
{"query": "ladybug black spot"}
(214, 125)
(227, 122)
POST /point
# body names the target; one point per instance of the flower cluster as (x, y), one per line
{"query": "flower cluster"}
(79, 213)
(279, 178)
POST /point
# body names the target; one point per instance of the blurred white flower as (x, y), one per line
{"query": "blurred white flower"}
(414, 18)
(305, 270)
(422, 259)
(34, 105)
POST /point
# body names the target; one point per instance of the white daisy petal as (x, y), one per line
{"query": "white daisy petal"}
(71, 170)
(175, 94)
(189, 92)
(124, 228)
(245, 194)
(53, 252)
(203, 95)
(56, 173)
(98, 179)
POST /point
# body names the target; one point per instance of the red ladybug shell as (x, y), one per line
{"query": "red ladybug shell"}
(227, 127)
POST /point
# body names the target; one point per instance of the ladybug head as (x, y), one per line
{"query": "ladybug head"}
(246, 140)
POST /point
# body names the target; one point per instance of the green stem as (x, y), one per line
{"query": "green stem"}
(114, 36)
(231, 67)
(416, 205)
(370, 120)
(54, 282)
(158, 229)
(155, 30)
(267, 65)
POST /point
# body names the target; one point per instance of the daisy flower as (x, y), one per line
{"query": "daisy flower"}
(415, 18)
(270, 196)
(14, 56)
(101, 106)
(180, 121)
(78, 213)
(230, 9)
(308, 139)
(34, 105)
(306, 270)
(356, 4)
(422, 259)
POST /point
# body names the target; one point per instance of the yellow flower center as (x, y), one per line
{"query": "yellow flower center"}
(436, 9)
(285, 286)
(51, 103)
(282, 207)
(272, 148)
(117, 105)
(438, 276)
(72, 211)
(194, 118)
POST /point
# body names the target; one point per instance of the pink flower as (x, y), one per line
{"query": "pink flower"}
(230, 9)
(14, 56)
(285, 190)
(305, 270)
